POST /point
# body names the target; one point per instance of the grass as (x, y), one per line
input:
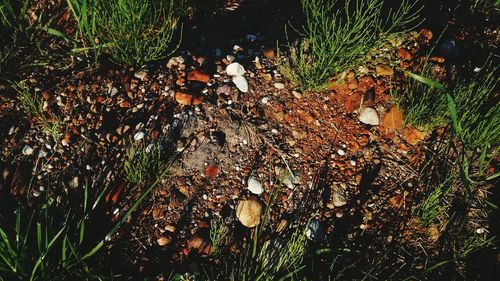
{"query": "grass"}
(335, 39)
(142, 162)
(218, 233)
(138, 31)
(31, 104)
(432, 209)
(48, 244)
(12, 24)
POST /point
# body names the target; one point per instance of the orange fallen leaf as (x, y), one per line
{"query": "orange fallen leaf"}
(353, 101)
(187, 99)
(413, 136)
(404, 54)
(393, 120)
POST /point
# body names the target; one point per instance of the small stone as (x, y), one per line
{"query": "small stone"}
(198, 75)
(141, 74)
(338, 197)
(269, 53)
(235, 69)
(170, 228)
(369, 116)
(139, 136)
(223, 90)
(241, 83)
(230, 58)
(255, 186)
(249, 212)
(297, 94)
(74, 182)
(279, 86)
(315, 231)
(27, 150)
(353, 163)
(42, 153)
(265, 100)
(164, 240)
(341, 152)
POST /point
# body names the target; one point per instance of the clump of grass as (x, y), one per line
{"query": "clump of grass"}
(138, 31)
(218, 232)
(12, 15)
(142, 162)
(433, 208)
(478, 110)
(334, 39)
(30, 102)
(424, 106)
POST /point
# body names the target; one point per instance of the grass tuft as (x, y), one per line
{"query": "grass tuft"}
(142, 162)
(335, 39)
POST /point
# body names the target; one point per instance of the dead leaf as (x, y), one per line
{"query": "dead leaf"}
(353, 101)
(413, 136)
(393, 120)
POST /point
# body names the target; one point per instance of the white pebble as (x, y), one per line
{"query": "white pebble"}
(341, 152)
(255, 186)
(27, 150)
(279, 86)
(138, 136)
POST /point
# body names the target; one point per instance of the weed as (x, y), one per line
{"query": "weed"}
(12, 24)
(218, 232)
(142, 162)
(138, 31)
(31, 104)
(335, 40)
(433, 207)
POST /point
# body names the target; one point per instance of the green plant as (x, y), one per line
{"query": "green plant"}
(47, 243)
(424, 105)
(30, 102)
(218, 232)
(12, 15)
(334, 40)
(433, 207)
(142, 162)
(138, 31)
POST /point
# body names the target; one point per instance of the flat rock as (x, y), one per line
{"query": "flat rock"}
(235, 69)
(369, 116)
(241, 83)
(249, 212)
(255, 186)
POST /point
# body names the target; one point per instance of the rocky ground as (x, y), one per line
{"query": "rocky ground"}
(237, 138)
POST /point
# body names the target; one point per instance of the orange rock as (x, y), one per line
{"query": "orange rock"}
(353, 101)
(269, 53)
(366, 83)
(396, 201)
(211, 171)
(426, 35)
(187, 99)
(198, 75)
(404, 54)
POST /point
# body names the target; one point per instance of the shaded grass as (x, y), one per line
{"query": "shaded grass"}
(31, 104)
(336, 37)
(138, 31)
(142, 162)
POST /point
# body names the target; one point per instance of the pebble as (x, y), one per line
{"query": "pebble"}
(341, 152)
(235, 69)
(27, 150)
(255, 186)
(249, 212)
(353, 163)
(42, 153)
(338, 197)
(279, 86)
(138, 136)
(297, 94)
(241, 83)
(141, 74)
(265, 100)
(315, 231)
(369, 116)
